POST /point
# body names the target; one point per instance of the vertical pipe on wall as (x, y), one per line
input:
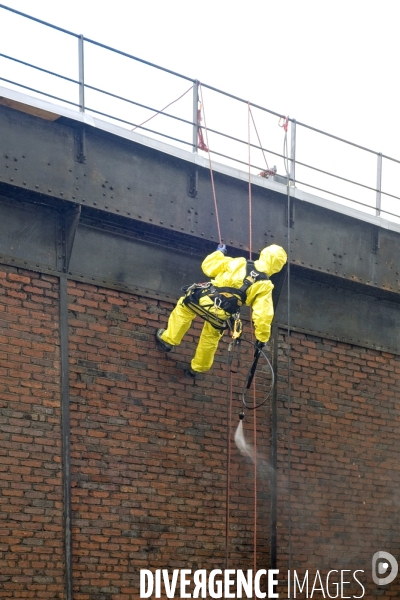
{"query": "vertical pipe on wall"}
(65, 432)
(274, 453)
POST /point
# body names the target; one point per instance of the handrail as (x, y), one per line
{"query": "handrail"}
(193, 123)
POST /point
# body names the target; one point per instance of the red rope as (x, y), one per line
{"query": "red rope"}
(201, 143)
(285, 123)
(252, 338)
(162, 110)
(228, 476)
(211, 171)
(255, 478)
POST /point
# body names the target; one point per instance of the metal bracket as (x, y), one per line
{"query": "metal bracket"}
(80, 144)
(375, 240)
(278, 280)
(69, 220)
(193, 184)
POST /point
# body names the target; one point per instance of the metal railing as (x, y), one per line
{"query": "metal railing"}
(231, 148)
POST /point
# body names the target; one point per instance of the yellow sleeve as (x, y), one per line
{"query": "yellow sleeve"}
(262, 310)
(215, 263)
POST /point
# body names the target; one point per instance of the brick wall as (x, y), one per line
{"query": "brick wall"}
(340, 433)
(31, 546)
(149, 450)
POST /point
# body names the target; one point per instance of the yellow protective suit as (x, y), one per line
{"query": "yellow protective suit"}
(230, 272)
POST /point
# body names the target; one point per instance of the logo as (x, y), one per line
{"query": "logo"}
(381, 561)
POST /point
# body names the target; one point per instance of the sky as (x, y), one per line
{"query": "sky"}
(331, 65)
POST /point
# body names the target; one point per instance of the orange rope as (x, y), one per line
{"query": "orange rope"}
(211, 171)
(252, 337)
(162, 110)
(255, 479)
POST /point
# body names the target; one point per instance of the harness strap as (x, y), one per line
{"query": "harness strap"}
(229, 299)
(205, 313)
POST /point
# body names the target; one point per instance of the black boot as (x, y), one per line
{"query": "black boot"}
(164, 346)
(190, 373)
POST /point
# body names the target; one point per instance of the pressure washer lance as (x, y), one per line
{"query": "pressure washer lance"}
(241, 416)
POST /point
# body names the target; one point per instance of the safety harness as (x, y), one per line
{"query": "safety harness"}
(228, 299)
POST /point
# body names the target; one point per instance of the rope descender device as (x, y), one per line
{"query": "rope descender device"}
(237, 329)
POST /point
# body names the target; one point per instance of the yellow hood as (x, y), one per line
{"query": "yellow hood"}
(272, 258)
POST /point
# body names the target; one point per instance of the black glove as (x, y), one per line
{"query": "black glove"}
(222, 248)
(260, 345)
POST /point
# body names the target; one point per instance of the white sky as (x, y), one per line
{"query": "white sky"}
(332, 65)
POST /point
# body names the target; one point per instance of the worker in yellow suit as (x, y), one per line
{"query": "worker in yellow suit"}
(236, 281)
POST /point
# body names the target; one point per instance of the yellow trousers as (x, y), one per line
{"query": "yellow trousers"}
(179, 322)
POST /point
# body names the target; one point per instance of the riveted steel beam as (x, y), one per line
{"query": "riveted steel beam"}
(139, 226)
(142, 184)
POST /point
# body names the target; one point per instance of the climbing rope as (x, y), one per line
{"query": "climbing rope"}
(162, 110)
(289, 432)
(207, 147)
(204, 145)
(254, 361)
(228, 476)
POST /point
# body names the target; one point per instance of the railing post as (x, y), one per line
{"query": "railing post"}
(195, 115)
(292, 152)
(81, 74)
(379, 184)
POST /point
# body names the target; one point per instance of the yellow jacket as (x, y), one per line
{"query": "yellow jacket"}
(226, 271)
